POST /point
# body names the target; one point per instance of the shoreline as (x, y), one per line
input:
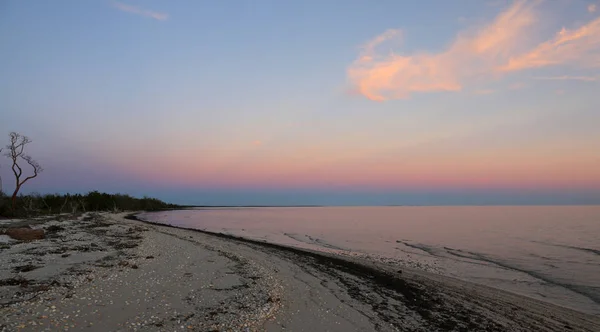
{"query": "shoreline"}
(199, 280)
(397, 280)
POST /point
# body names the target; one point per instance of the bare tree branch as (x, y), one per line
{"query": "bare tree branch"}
(36, 168)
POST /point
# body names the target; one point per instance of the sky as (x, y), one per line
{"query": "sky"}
(307, 102)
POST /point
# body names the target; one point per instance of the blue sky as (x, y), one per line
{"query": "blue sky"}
(252, 101)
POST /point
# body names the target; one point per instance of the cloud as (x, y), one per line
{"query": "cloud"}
(140, 11)
(477, 54)
(579, 47)
(592, 8)
(568, 78)
(484, 92)
(381, 77)
(257, 143)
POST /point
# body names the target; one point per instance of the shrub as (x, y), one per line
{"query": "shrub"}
(35, 204)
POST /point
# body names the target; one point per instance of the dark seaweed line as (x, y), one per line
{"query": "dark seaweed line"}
(386, 277)
(415, 297)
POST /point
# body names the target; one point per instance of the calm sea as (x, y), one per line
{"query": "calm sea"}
(551, 253)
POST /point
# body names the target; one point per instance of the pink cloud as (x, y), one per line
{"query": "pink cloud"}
(579, 47)
(140, 11)
(483, 53)
(592, 8)
(390, 76)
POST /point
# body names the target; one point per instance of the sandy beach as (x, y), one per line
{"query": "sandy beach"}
(105, 272)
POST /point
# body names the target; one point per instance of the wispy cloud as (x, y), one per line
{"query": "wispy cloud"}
(476, 54)
(579, 47)
(592, 8)
(484, 92)
(140, 11)
(568, 78)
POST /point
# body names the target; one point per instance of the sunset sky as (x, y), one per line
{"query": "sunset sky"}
(307, 102)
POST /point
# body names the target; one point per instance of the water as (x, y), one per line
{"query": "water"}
(551, 253)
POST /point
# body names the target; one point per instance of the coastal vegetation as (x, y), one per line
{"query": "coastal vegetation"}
(35, 204)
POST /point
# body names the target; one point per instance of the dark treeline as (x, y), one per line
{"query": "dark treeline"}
(36, 204)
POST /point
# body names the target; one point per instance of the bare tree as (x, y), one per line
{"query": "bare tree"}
(16, 153)
(64, 204)
(74, 206)
(82, 202)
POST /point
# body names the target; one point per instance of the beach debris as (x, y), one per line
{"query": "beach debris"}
(54, 229)
(26, 234)
(25, 268)
(18, 281)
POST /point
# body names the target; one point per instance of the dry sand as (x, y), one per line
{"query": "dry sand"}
(108, 273)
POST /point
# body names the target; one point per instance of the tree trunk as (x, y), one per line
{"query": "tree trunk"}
(64, 204)
(14, 197)
(47, 206)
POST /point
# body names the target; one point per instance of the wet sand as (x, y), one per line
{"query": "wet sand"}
(108, 273)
